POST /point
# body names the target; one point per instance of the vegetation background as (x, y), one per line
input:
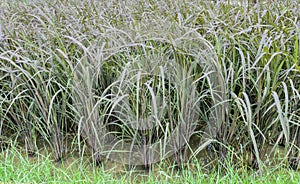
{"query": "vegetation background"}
(74, 73)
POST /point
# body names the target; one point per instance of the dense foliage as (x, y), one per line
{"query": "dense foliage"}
(72, 73)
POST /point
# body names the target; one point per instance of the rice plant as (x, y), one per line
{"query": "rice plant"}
(135, 80)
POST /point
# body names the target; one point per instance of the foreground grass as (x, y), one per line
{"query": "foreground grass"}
(16, 168)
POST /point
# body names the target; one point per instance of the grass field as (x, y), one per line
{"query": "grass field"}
(17, 168)
(187, 90)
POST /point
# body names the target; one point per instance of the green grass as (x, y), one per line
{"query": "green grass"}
(17, 168)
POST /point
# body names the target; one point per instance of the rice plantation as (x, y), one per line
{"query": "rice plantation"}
(145, 83)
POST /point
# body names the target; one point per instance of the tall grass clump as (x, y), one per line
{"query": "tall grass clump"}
(135, 80)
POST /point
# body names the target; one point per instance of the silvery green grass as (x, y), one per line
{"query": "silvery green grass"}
(181, 91)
